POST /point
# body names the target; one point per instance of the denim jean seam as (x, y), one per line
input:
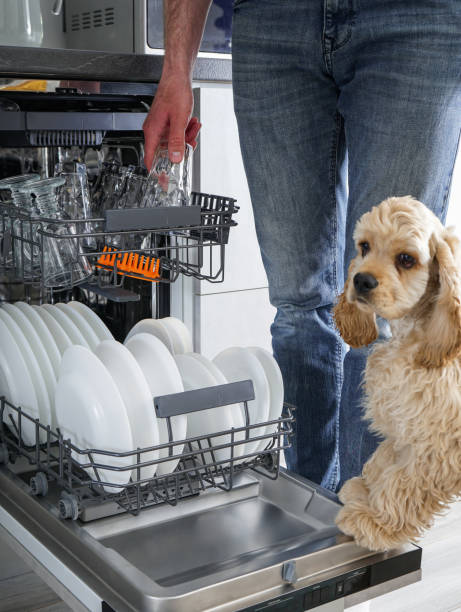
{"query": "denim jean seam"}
(347, 39)
(447, 189)
(334, 250)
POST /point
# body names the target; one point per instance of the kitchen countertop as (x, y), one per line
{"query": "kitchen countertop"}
(32, 62)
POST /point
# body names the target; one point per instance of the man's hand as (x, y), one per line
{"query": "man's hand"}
(170, 119)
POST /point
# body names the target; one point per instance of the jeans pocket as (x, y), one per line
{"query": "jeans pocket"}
(236, 3)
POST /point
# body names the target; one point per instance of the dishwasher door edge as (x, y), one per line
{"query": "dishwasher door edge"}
(28, 531)
(52, 577)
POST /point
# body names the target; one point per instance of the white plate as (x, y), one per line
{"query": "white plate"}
(235, 409)
(71, 330)
(45, 373)
(155, 328)
(274, 377)
(81, 323)
(44, 334)
(60, 337)
(214, 370)
(43, 402)
(16, 383)
(91, 413)
(237, 363)
(137, 398)
(180, 335)
(197, 376)
(162, 376)
(96, 324)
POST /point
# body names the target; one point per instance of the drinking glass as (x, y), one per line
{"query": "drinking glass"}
(11, 187)
(13, 184)
(134, 187)
(168, 183)
(64, 264)
(74, 197)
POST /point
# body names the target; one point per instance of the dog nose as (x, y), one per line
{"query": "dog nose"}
(364, 282)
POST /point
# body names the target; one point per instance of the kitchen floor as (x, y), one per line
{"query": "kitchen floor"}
(440, 590)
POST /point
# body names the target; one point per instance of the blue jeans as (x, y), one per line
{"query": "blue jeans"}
(340, 104)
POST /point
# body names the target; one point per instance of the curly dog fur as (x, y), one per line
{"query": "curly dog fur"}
(412, 381)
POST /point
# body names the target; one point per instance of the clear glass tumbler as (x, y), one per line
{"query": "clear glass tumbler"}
(168, 183)
(63, 262)
(18, 224)
(74, 198)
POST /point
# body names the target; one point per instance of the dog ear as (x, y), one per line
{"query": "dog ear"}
(442, 334)
(356, 327)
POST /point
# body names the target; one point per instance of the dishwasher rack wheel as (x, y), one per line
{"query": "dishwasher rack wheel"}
(4, 454)
(68, 506)
(39, 484)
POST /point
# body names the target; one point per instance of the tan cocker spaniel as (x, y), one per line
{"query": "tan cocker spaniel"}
(407, 271)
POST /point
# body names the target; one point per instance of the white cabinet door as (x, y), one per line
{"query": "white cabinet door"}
(237, 311)
(218, 169)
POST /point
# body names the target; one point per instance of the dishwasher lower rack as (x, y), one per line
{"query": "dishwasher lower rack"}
(151, 244)
(78, 473)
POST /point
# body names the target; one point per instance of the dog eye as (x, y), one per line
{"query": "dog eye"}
(365, 247)
(405, 260)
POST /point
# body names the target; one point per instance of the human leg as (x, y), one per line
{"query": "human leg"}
(400, 80)
(293, 149)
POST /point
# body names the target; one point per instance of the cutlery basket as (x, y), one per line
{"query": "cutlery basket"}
(75, 473)
(151, 244)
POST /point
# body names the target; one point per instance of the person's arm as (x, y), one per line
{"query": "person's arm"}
(170, 114)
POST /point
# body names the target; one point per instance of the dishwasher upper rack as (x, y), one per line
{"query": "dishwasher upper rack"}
(56, 459)
(187, 240)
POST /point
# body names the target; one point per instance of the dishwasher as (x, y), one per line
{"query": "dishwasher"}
(239, 534)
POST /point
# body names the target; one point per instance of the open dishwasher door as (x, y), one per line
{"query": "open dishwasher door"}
(265, 545)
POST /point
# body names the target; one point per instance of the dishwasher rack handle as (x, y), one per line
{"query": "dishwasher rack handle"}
(204, 399)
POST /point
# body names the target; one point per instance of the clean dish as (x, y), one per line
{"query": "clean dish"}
(59, 335)
(237, 364)
(16, 384)
(135, 393)
(155, 328)
(45, 372)
(90, 411)
(92, 319)
(82, 324)
(44, 334)
(163, 377)
(235, 409)
(197, 376)
(180, 335)
(213, 369)
(274, 377)
(71, 330)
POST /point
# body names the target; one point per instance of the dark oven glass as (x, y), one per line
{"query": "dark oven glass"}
(217, 36)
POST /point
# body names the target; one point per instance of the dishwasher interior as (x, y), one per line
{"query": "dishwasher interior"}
(239, 533)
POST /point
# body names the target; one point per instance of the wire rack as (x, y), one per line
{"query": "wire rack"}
(79, 472)
(155, 245)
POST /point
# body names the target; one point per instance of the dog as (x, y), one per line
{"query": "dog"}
(407, 270)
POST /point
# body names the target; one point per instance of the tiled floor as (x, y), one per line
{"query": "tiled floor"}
(439, 591)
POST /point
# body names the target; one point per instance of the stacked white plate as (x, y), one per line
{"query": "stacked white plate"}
(61, 364)
(231, 365)
(33, 340)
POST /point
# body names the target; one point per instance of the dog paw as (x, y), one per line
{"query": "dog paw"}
(354, 491)
(361, 524)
